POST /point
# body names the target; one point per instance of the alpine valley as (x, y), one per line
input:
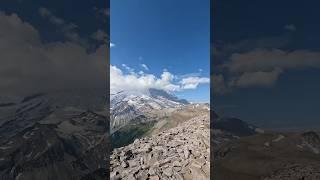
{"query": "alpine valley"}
(156, 135)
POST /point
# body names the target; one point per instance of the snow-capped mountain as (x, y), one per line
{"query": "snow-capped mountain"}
(125, 105)
(23, 114)
(41, 135)
(153, 98)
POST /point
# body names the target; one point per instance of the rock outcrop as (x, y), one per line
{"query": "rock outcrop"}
(182, 152)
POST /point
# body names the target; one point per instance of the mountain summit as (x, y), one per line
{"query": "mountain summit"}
(126, 106)
(161, 93)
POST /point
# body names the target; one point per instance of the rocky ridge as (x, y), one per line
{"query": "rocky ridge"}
(268, 156)
(182, 152)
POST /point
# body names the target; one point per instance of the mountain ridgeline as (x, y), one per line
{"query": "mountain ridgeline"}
(156, 93)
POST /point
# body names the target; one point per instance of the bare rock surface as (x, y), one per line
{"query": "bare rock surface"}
(182, 152)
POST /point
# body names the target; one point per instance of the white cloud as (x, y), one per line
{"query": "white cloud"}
(266, 60)
(263, 67)
(46, 13)
(141, 81)
(100, 35)
(112, 44)
(104, 12)
(36, 66)
(290, 27)
(260, 78)
(167, 76)
(193, 82)
(129, 69)
(218, 84)
(145, 67)
(69, 29)
(196, 74)
(133, 82)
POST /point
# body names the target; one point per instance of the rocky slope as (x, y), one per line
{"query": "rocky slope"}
(244, 152)
(296, 172)
(181, 152)
(268, 155)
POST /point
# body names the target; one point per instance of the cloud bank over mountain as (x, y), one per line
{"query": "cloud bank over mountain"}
(141, 81)
(262, 67)
(259, 62)
(29, 62)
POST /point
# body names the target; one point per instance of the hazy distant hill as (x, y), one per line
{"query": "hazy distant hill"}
(245, 152)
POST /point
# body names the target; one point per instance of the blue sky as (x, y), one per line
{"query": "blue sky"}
(166, 34)
(270, 53)
(87, 16)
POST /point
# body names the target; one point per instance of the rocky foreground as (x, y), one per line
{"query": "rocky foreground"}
(267, 156)
(178, 153)
(296, 172)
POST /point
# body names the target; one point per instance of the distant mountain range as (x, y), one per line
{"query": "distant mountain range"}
(232, 125)
(42, 137)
